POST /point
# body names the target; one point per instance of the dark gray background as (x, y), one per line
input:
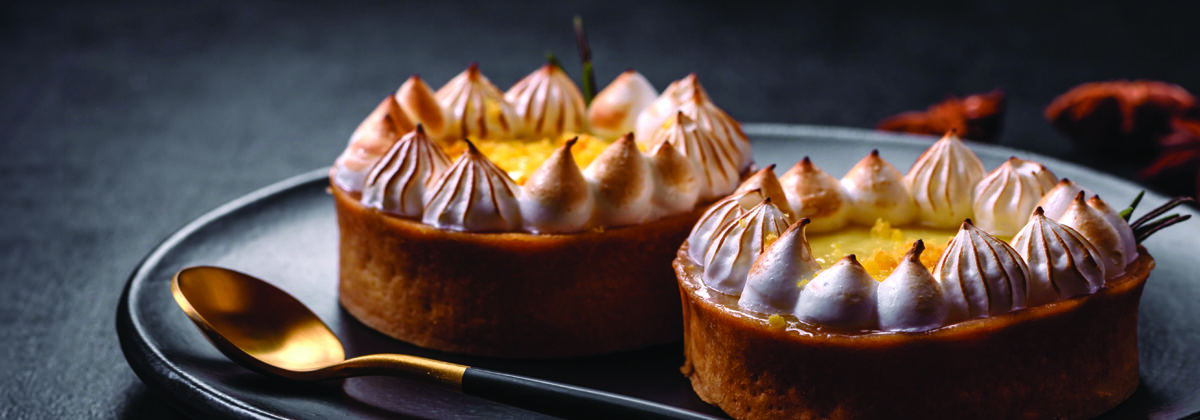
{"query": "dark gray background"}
(121, 121)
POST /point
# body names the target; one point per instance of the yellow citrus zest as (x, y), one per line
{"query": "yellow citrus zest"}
(776, 322)
(520, 158)
(879, 248)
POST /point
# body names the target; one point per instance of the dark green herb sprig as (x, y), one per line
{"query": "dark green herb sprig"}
(585, 57)
(1128, 212)
(1150, 223)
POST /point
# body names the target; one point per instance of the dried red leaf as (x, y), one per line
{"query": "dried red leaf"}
(1178, 163)
(976, 117)
(1185, 132)
(1121, 117)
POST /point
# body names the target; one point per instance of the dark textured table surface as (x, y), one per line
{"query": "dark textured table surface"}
(121, 121)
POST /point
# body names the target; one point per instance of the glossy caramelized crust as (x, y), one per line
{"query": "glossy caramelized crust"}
(1074, 358)
(513, 295)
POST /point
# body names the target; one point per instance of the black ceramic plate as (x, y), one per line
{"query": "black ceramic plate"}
(286, 233)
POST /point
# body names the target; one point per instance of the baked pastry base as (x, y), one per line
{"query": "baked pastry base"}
(1075, 358)
(512, 295)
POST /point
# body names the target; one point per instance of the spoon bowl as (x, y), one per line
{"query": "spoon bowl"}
(268, 331)
(253, 320)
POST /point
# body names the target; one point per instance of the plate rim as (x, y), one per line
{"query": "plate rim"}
(194, 398)
(148, 363)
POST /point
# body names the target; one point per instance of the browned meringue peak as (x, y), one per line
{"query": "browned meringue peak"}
(548, 102)
(723, 127)
(1055, 202)
(662, 108)
(687, 96)
(676, 184)
(816, 195)
(397, 182)
(841, 297)
(1099, 228)
(716, 165)
(910, 299)
(477, 108)
(474, 195)
(1124, 231)
(766, 181)
(614, 111)
(1008, 194)
(1045, 179)
(981, 275)
(421, 106)
(738, 243)
(556, 198)
(1062, 263)
(718, 215)
(941, 182)
(876, 190)
(773, 283)
(374, 135)
(623, 183)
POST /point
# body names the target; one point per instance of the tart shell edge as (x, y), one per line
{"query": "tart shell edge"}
(510, 295)
(1075, 358)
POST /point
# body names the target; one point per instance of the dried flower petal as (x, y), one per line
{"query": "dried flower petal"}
(975, 117)
(1119, 117)
(1177, 167)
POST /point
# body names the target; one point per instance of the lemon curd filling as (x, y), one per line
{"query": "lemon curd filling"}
(879, 248)
(521, 157)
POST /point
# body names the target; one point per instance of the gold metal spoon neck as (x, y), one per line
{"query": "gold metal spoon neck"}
(267, 330)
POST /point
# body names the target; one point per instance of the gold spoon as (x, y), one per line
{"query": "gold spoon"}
(267, 330)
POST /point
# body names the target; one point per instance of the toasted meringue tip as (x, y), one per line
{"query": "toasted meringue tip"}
(628, 138)
(471, 147)
(420, 130)
(852, 259)
(914, 252)
(950, 135)
(797, 225)
(1039, 212)
(680, 118)
(769, 168)
(1079, 196)
(806, 161)
(967, 222)
(874, 153)
(569, 143)
(473, 69)
(658, 147)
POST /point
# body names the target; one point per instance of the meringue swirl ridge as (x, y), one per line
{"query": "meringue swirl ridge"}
(979, 273)
(668, 171)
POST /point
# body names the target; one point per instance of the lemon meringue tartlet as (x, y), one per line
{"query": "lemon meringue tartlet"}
(1027, 310)
(526, 224)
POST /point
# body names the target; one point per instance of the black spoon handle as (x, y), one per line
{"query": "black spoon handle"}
(563, 400)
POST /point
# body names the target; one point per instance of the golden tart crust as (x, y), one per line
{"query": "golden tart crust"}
(513, 295)
(1074, 358)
